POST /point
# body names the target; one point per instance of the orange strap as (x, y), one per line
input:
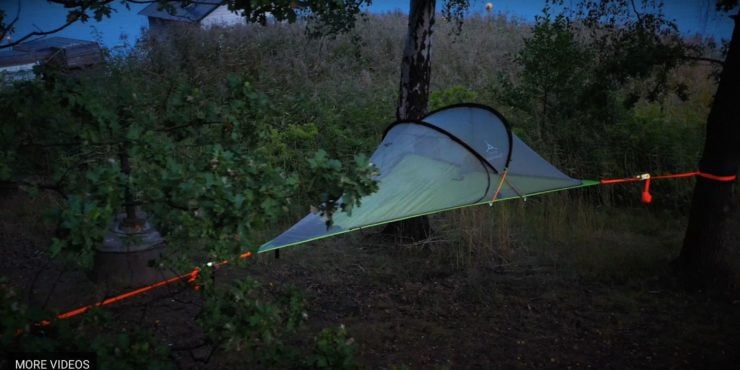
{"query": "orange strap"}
(648, 198)
(190, 277)
(500, 185)
(672, 176)
(716, 177)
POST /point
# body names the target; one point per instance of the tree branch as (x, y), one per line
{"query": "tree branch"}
(69, 22)
(79, 6)
(5, 29)
(37, 33)
(634, 9)
(704, 59)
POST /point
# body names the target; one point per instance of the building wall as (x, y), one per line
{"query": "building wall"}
(17, 73)
(158, 26)
(18, 68)
(222, 16)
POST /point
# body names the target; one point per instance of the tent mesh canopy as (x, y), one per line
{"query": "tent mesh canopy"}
(452, 158)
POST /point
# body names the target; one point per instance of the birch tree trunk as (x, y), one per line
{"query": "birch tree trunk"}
(416, 65)
(413, 96)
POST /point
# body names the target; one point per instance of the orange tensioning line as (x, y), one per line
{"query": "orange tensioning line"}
(500, 185)
(647, 198)
(715, 177)
(190, 276)
(673, 176)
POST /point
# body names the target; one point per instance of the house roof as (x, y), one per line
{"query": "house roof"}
(76, 51)
(10, 58)
(194, 12)
(50, 43)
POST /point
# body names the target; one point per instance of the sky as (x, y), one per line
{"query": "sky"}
(124, 26)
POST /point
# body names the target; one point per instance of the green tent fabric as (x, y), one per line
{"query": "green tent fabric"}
(453, 157)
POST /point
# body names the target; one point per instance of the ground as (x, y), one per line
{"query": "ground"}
(415, 306)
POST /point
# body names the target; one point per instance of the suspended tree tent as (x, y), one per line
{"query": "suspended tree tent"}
(458, 156)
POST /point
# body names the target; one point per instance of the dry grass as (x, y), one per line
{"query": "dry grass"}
(479, 236)
(565, 231)
(336, 70)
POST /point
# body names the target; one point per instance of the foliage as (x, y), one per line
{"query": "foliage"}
(16, 322)
(238, 321)
(588, 76)
(726, 5)
(196, 151)
(333, 350)
(242, 320)
(452, 95)
(346, 193)
(633, 44)
(135, 350)
(454, 11)
(21, 331)
(554, 66)
(198, 158)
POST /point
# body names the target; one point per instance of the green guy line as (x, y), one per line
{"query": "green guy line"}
(584, 183)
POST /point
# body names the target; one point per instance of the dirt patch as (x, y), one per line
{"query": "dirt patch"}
(407, 308)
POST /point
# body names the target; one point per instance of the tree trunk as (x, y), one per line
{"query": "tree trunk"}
(128, 199)
(711, 255)
(413, 95)
(416, 65)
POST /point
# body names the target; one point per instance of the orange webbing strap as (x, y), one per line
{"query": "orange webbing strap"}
(672, 176)
(500, 185)
(647, 197)
(677, 175)
(190, 277)
(716, 177)
(642, 177)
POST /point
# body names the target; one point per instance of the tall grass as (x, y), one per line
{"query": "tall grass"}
(565, 231)
(476, 237)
